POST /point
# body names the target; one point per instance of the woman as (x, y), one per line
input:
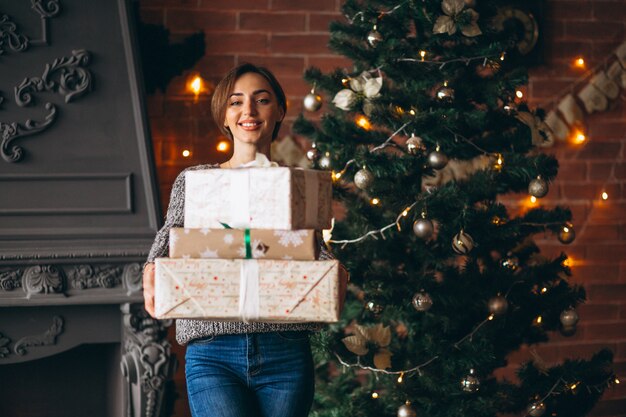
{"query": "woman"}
(236, 369)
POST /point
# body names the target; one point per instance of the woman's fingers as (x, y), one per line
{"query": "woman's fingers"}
(148, 288)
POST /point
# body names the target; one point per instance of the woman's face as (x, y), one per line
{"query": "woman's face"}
(252, 110)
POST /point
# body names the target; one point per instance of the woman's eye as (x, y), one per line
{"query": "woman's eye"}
(235, 103)
(264, 100)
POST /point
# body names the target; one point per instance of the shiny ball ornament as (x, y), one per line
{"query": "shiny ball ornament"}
(498, 305)
(510, 262)
(374, 307)
(405, 410)
(312, 101)
(312, 154)
(470, 383)
(423, 228)
(566, 234)
(569, 317)
(363, 179)
(538, 187)
(445, 94)
(536, 409)
(437, 159)
(462, 243)
(324, 162)
(414, 145)
(374, 37)
(422, 301)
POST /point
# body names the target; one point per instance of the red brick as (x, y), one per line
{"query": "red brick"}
(327, 5)
(605, 331)
(272, 22)
(215, 66)
(609, 11)
(611, 253)
(294, 86)
(228, 43)
(607, 130)
(571, 171)
(300, 44)
(602, 233)
(612, 408)
(598, 312)
(235, 4)
(620, 171)
(184, 21)
(581, 191)
(585, 30)
(569, 9)
(606, 292)
(596, 150)
(599, 170)
(152, 16)
(319, 22)
(597, 273)
(608, 211)
(327, 64)
(279, 65)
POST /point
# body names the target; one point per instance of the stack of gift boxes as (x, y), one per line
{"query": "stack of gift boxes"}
(248, 250)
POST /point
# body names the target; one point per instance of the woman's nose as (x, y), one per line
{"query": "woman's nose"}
(249, 108)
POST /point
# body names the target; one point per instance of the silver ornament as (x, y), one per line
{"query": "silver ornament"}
(462, 243)
(374, 308)
(445, 93)
(470, 383)
(312, 154)
(363, 179)
(414, 145)
(405, 410)
(510, 262)
(374, 37)
(423, 228)
(536, 409)
(422, 301)
(566, 234)
(312, 101)
(498, 305)
(569, 317)
(324, 161)
(437, 159)
(538, 187)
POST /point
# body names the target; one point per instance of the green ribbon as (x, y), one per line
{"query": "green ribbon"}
(246, 240)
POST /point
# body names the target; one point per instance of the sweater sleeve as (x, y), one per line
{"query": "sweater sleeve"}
(174, 218)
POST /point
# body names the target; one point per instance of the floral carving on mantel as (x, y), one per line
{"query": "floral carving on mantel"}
(87, 276)
(46, 339)
(9, 38)
(133, 279)
(45, 279)
(65, 76)
(4, 346)
(10, 280)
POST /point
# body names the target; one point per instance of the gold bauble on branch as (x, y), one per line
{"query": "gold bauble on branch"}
(405, 410)
(567, 234)
(538, 187)
(374, 37)
(498, 305)
(312, 102)
(422, 301)
(536, 409)
(470, 383)
(462, 243)
(363, 179)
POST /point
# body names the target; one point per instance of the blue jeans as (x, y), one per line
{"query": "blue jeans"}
(250, 375)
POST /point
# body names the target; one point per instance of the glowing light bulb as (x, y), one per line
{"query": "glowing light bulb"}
(401, 378)
(616, 380)
(336, 175)
(423, 54)
(538, 320)
(578, 136)
(374, 395)
(363, 122)
(375, 201)
(491, 317)
(605, 196)
(502, 56)
(533, 199)
(544, 290)
(223, 146)
(580, 62)
(519, 94)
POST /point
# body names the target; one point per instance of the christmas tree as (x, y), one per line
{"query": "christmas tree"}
(423, 135)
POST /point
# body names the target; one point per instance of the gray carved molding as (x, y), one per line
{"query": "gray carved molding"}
(49, 337)
(46, 279)
(86, 276)
(133, 278)
(9, 38)
(10, 280)
(18, 42)
(4, 346)
(73, 82)
(147, 363)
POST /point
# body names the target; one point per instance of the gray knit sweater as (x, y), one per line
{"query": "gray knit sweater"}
(187, 330)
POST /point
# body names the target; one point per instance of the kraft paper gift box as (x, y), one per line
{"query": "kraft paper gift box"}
(258, 198)
(231, 244)
(247, 290)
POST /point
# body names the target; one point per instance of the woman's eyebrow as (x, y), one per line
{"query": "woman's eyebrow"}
(254, 93)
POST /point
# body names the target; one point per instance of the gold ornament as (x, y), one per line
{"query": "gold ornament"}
(422, 301)
(423, 228)
(567, 234)
(312, 101)
(374, 37)
(445, 93)
(538, 187)
(470, 383)
(414, 145)
(498, 305)
(455, 11)
(405, 410)
(510, 262)
(536, 409)
(569, 317)
(377, 335)
(462, 243)
(437, 159)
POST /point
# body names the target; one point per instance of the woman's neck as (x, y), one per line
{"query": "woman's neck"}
(244, 153)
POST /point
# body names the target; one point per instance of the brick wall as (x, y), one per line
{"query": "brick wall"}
(290, 35)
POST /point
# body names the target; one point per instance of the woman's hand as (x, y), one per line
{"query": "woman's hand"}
(148, 288)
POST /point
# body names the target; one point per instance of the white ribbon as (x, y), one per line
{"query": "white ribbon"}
(239, 216)
(249, 290)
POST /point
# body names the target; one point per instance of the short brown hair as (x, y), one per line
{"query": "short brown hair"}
(225, 86)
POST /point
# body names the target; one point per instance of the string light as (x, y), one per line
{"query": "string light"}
(533, 199)
(616, 380)
(502, 56)
(423, 54)
(580, 62)
(336, 175)
(538, 320)
(544, 290)
(605, 195)
(374, 395)
(578, 136)
(401, 378)
(519, 94)
(363, 122)
(223, 146)
(375, 201)
(186, 153)
(196, 86)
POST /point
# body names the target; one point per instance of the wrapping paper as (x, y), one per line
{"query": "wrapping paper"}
(247, 290)
(258, 198)
(230, 244)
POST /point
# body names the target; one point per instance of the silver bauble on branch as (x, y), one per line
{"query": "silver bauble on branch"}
(363, 178)
(498, 305)
(423, 228)
(405, 410)
(312, 101)
(445, 93)
(324, 161)
(538, 187)
(569, 317)
(536, 409)
(374, 37)
(510, 262)
(567, 234)
(374, 307)
(470, 383)
(312, 154)
(422, 301)
(462, 243)
(437, 159)
(414, 145)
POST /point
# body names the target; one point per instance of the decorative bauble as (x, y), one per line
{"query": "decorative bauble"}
(324, 161)
(312, 101)
(422, 301)
(423, 228)
(312, 153)
(414, 145)
(374, 307)
(374, 37)
(510, 262)
(462, 243)
(536, 409)
(405, 410)
(437, 159)
(538, 187)
(445, 93)
(498, 305)
(363, 179)
(567, 234)
(470, 383)
(569, 317)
